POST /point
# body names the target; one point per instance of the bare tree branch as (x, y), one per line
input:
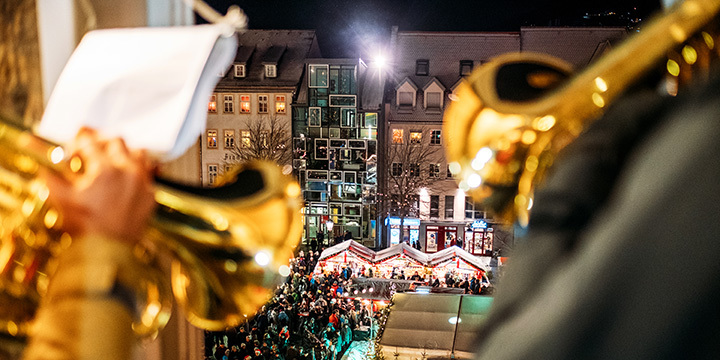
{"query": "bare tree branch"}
(264, 139)
(407, 167)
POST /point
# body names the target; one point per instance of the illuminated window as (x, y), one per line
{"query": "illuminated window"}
(228, 104)
(314, 117)
(245, 104)
(415, 170)
(270, 71)
(318, 76)
(397, 169)
(212, 139)
(422, 67)
(229, 136)
(245, 138)
(347, 117)
(212, 105)
(466, 67)
(435, 137)
(435, 171)
(262, 104)
(321, 149)
(449, 173)
(397, 136)
(371, 120)
(280, 104)
(415, 137)
(212, 173)
(240, 71)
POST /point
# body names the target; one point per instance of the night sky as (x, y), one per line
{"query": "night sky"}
(348, 28)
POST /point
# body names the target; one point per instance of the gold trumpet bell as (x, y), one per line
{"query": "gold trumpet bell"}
(229, 246)
(513, 115)
(228, 266)
(495, 124)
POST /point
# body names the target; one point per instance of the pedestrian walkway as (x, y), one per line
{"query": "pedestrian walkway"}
(359, 350)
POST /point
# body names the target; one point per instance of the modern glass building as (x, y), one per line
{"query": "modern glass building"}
(335, 118)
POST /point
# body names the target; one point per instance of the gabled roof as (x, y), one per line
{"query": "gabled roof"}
(405, 249)
(401, 249)
(351, 246)
(288, 49)
(444, 50)
(434, 80)
(456, 252)
(576, 45)
(408, 81)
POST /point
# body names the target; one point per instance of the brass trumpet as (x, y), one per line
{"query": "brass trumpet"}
(514, 114)
(229, 246)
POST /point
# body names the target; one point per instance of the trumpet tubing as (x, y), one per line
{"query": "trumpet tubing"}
(514, 114)
(228, 245)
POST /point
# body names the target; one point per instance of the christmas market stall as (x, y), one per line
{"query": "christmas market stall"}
(349, 253)
(400, 259)
(457, 261)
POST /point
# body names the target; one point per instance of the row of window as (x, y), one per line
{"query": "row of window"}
(240, 71)
(433, 96)
(229, 138)
(422, 67)
(263, 101)
(398, 137)
(337, 79)
(414, 170)
(449, 210)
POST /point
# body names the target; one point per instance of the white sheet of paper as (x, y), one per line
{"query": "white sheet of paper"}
(149, 86)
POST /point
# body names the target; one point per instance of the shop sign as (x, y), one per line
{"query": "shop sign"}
(406, 221)
(479, 224)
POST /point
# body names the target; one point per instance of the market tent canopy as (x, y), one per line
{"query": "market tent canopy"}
(455, 253)
(351, 246)
(430, 323)
(401, 249)
(351, 250)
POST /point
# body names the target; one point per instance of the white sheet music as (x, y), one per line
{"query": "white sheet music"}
(149, 86)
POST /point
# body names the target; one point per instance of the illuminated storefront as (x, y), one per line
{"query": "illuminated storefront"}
(479, 238)
(439, 237)
(403, 230)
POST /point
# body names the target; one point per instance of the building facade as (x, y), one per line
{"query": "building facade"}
(250, 111)
(423, 204)
(335, 120)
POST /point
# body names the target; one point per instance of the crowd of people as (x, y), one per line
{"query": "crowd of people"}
(307, 318)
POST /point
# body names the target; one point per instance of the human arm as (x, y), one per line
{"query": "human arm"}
(87, 312)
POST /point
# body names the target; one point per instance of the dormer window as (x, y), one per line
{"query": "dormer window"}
(433, 100)
(422, 67)
(240, 71)
(405, 93)
(270, 71)
(405, 98)
(271, 59)
(434, 92)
